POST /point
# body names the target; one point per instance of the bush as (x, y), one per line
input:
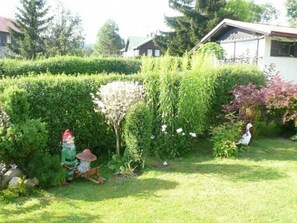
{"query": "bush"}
(224, 138)
(138, 131)
(70, 65)
(64, 102)
(225, 78)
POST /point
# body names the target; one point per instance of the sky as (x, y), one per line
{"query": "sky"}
(134, 17)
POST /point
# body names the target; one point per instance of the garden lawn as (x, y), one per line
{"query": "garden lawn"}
(260, 186)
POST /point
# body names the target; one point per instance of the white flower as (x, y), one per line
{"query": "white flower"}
(165, 163)
(164, 128)
(179, 130)
(152, 137)
(192, 134)
(183, 133)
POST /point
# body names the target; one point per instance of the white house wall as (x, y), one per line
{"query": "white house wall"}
(287, 66)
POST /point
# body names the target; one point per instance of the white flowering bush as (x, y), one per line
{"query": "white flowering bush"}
(114, 99)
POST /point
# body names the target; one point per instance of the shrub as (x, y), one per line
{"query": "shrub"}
(70, 65)
(138, 131)
(211, 48)
(224, 138)
(114, 100)
(226, 77)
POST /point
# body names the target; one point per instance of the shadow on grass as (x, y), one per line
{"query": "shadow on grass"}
(113, 189)
(234, 172)
(50, 217)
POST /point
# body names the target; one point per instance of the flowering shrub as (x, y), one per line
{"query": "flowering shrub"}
(114, 100)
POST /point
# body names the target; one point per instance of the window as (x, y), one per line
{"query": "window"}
(150, 52)
(157, 53)
(8, 39)
(283, 49)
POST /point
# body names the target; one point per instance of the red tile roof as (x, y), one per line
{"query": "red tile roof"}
(5, 23)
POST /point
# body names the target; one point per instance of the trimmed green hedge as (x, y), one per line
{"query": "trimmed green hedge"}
(64, 102)
(69, 65)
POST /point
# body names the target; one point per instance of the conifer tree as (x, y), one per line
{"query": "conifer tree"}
(109, 42)
(31, 21)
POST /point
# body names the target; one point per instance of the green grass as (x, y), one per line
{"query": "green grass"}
(259, 186)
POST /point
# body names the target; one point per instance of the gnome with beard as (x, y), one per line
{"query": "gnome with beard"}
(68, 154)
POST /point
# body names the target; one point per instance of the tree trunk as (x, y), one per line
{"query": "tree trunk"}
(117, 141)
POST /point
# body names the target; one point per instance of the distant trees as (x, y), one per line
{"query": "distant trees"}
(291, 6)
(198, 17)
(31, 21)
(109, 42)
(65, 34)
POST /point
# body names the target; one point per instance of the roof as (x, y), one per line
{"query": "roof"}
(6, 23)
(136, 42)
(264, 29)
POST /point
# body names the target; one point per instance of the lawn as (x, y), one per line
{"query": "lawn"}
(260, 186)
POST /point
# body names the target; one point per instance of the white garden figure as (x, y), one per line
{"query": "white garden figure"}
(246, 137)
(114, 100)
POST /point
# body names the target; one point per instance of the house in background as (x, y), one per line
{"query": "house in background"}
(138, 46)
(5, 37)
(257, 43)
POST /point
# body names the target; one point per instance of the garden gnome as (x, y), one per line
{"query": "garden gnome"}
(86, 157)
(68, 154)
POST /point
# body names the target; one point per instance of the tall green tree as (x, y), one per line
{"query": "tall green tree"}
(65, 34)
(291, 6)
(109, 42)
(198, 17)
(31, 21)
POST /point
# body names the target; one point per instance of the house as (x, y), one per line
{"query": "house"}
(138, 46)
(5, 37)
(257, 43)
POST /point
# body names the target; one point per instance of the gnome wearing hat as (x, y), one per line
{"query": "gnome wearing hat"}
(86, 157)
(68, 154)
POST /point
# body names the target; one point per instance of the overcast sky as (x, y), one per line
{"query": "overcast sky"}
(134, 17)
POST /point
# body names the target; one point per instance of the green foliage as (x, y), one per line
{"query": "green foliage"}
(291, 6)
(225, 78)
(14, 102)
(211, 48)
(69, 65)
(22, 141)
(47, 169)
(121, 164)
(13, 192)
(64, 35)
(64, 102)
(224, 138)
(138, 132)
(109, 42)
(31, 22)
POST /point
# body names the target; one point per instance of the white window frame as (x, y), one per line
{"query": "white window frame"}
(8, 39)
(157, 53)
(150, 52)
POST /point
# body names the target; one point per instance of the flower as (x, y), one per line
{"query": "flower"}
(152, 137)
(164, 128)
(193, 134)
(165, 163)
(179, 130)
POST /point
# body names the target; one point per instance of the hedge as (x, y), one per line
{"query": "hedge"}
(64, 102)
(69, 65)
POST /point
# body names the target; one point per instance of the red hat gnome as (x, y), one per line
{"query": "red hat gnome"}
(68, 153)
